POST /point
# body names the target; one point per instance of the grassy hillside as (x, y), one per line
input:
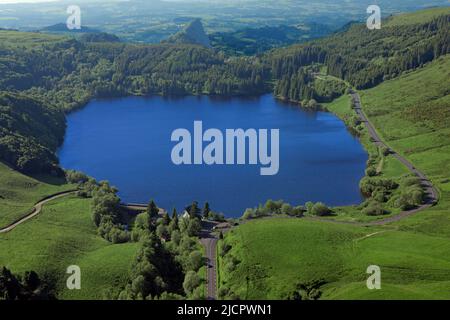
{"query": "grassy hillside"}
(421, 16)
(411, 114)
(63, 235)
(9, 39)
(278, 254)
(19, 193)
(268, 258)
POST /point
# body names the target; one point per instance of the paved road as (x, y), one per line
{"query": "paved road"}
(209, 241)
(36, 210)
(211, 273)
(432, 194)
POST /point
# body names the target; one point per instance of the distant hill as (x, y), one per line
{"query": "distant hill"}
(192, 33)
(62, 28)
(99, 37)
(417, 17)
(250, 41)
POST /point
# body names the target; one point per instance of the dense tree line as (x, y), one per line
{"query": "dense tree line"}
(168, 262)
(107, 213)
(54, 76)
(29, 133)
(59, 74)
(360, 56)
(26, 287)
(169, 258)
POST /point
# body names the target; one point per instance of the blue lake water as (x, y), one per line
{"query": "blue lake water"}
(128, 142)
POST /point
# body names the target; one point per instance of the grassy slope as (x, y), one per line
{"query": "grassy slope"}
(414, 254)
(18, 193)
(14, 39)
(417, 17)
(390, 166)
(64, 235)
(419, 103)
(277, 254)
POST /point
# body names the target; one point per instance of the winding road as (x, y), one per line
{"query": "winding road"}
(431, 193)
(36, 210)
(209, 240)
(432, 196)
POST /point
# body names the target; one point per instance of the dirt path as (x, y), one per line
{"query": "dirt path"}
(36, 210)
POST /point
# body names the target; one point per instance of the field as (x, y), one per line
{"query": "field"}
(260, 259)
(19, 193)
(413, 254)
(63, 235)
(278, 254)
(416, 17)
(427, 147)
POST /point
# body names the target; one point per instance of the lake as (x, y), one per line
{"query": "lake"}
(127, 141)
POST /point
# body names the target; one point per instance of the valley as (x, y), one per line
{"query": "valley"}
(278, 250)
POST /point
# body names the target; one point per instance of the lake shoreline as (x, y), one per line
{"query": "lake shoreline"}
(228, 106)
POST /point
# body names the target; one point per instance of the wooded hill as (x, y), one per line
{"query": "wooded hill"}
(65, 73)
(360, 56)
(47, 75)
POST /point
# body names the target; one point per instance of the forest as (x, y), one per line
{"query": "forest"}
(45, 76)
(360, 56)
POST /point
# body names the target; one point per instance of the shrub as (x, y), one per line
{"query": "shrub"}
(411, 181)
(410, 199)
(374, 209)
(286, 209)
(368, 185)
(320, 209)
(379, 195)
(194, 227)
(356, 121)
(195, 261)
(298, 211)
(225, 249)
(162, 231)
(273, 207)
(385, 151)
(249, 214)
(309, 206)
(77, 177)
(191, 282)
(371, 172)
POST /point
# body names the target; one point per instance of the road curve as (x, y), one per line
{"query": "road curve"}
(432, 195)
(36, 210)
(210, 241)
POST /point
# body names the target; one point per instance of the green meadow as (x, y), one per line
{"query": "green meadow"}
(272, 256)
(416, 17)
(63, 235)
(19, 193)
(277, 254)
(269, 258)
